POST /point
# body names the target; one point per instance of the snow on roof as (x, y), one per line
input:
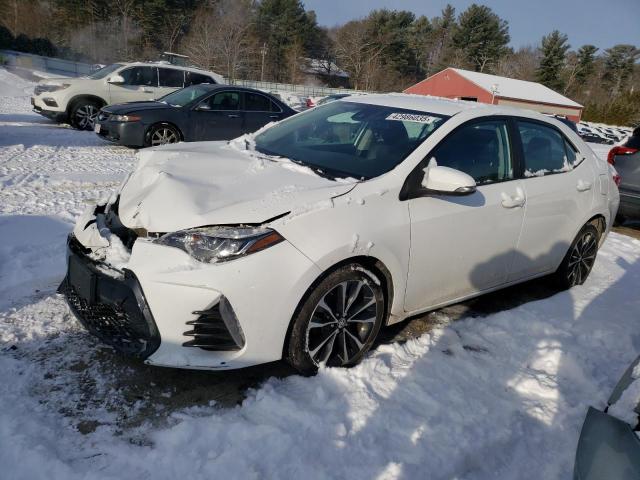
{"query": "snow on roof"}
(517, 89)
(320, 67)
(424, 103)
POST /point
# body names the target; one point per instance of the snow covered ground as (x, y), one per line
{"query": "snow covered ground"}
(494, 396)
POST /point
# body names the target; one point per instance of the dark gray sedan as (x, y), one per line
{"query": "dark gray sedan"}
(196, 113)
(626, 160)
(609, 446)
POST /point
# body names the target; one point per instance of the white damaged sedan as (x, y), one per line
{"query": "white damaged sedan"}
(302, 241)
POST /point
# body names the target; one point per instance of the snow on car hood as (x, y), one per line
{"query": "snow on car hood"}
(211, 183)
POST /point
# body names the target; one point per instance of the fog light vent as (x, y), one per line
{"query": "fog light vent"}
(215, 329)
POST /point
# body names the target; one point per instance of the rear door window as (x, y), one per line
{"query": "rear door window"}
(192, 78)
(480, 149)
(170, 77)
(144, 76)
(546, 151)
(254, 102)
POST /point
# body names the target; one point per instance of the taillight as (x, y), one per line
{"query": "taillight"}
(611, 158)
(617, 179)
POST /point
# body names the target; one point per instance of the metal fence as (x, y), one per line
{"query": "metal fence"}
(57, 66)
(303, 90)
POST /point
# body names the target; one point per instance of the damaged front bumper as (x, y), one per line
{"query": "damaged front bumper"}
(113, 308)
(171, 310)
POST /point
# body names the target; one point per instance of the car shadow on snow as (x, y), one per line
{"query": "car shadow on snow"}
(531, 368)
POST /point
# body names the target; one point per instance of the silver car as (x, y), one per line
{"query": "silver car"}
(626, 160)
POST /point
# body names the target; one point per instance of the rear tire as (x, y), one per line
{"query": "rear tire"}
(578, 262)
(338, 321)
(83, 114)
(162, 134)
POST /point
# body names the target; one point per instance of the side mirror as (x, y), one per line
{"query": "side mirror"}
(203, 107)
(116, 79)
(447, 181)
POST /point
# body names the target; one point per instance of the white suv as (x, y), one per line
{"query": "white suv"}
(78, 100)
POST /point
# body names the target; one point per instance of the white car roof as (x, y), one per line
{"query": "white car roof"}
(217, 77)
(440, 105)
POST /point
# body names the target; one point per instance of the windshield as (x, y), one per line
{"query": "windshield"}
(345, 139)
(104, 71)
(184, 96)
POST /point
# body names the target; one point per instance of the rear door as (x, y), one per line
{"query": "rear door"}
(559, 187)
(140, 83)
(169, 80)
(258, 111)
(218, 117)
(465, 244)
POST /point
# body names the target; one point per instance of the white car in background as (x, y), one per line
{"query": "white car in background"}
(302, 241)
(78, 100)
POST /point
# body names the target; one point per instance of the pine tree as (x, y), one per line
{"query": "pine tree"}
(441, 50)
(286, 28)
(619, 65)
(554, 49)
(481, 36)
(586, 62)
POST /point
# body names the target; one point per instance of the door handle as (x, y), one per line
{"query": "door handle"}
(146, 90)
(517, 200)
(274, 116)
(583, 186)
(233, 116)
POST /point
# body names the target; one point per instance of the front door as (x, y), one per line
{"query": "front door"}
(466, 244)
(218, 117)
(140, 83)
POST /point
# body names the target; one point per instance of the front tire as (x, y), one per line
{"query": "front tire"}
(162, 134)
(578, 262)
(338, 321)
(83, 114)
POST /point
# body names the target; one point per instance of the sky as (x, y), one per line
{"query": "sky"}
(602, 23)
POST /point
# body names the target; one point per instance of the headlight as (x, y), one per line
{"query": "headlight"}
(49, 88)
(219, 244)
(124, 118)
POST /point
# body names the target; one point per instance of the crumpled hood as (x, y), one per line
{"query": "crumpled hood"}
(210, 183)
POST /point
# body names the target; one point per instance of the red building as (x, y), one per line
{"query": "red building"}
(485, 88)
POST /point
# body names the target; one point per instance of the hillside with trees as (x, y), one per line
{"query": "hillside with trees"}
(387, 50)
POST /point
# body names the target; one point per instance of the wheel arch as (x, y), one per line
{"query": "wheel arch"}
(158, 123)
(372, 264)
(600, 222)
(94, 98)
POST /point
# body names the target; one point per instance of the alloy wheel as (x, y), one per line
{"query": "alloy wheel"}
(582, 258)
(86, 116)
(163, 135)
(342, 323)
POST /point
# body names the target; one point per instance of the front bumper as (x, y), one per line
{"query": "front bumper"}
(130, 134)
(46, 111)
(186, 301)
(113, 308)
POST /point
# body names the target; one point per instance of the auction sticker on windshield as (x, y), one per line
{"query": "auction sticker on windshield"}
(412, 117)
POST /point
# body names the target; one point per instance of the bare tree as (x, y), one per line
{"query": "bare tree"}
(219, 36)
(357, 53)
